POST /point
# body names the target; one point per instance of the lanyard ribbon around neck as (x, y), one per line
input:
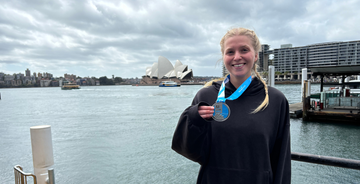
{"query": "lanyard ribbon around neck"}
(239, 91)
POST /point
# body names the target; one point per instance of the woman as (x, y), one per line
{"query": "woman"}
(246, 139)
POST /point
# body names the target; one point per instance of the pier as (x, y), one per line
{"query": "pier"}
(296, 110)
(340, 105)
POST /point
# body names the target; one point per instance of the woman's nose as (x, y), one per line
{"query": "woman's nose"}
(237, 56)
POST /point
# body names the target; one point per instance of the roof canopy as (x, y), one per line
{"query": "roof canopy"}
(336, 70)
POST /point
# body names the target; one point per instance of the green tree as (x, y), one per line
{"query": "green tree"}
(105, 81)
(118, 80)
(265, 74)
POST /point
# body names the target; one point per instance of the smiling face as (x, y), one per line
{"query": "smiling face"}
(239, 58)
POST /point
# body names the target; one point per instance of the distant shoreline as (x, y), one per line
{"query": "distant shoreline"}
(276, 82)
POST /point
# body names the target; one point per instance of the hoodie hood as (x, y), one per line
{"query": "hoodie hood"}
(255, 87)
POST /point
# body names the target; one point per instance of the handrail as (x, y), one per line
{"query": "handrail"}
(21, 177)
(326, 160)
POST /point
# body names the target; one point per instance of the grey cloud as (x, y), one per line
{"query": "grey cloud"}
(96, 37)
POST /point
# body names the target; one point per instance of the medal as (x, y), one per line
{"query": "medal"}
(221, 110)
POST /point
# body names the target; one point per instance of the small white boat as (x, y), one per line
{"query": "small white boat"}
(169, 84)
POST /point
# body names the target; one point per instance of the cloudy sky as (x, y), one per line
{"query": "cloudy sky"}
(111, 37)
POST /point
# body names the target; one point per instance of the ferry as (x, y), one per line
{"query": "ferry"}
(70, 86)
(169, 84)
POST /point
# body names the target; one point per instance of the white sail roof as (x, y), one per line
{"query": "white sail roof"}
(164, 69)
(164, 66)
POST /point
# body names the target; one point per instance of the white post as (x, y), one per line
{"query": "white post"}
(347, 79)
(303, 78)
(308, 92)
(42, 151)
(358, 77)
(271, 76)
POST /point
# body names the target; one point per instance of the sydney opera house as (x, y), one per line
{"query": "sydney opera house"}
(163, 70)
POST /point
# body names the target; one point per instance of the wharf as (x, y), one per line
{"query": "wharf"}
(296, 110)
(339, 114)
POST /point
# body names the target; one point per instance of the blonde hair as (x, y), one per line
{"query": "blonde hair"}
(256, 46)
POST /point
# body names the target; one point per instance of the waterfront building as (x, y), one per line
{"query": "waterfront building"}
(70, 76)
(47, 75)
(9, 77)
(45, 83)
(288, 59)
(54, 83)
(2, 76)
(263, 59)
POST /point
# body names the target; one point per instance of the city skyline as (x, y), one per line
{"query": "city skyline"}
(105, 38)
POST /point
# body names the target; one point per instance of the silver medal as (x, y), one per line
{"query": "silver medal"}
(221, 111)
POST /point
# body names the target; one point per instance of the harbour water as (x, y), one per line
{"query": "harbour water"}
(122, 134)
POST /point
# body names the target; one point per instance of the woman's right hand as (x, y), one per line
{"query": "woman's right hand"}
(206, 112)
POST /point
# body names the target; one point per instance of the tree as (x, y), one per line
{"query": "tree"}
(105, 81)
(118, 80)
(278, 73)
(265, 74)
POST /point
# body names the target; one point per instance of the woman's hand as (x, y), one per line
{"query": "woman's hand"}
(206, 112)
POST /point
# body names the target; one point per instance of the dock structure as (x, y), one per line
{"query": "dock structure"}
(340, 105)
(296, 110)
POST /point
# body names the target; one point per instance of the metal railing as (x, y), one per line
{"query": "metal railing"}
(21, 177)
(343, 102)
(326, 160)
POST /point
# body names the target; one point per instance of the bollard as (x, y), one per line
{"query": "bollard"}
(271, 76)
(42, 151)
(303, 78)
(51, 179)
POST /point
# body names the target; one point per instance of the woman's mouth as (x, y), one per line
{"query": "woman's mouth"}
(239, 65)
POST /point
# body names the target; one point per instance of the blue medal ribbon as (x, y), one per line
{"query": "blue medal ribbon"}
(239, 91)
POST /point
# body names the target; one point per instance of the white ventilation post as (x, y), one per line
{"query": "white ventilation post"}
(303, 78)
(42, 151)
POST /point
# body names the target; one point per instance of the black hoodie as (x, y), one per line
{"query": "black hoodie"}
(246, 148)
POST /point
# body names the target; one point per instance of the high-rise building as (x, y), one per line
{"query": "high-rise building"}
(27, 72)
(288, 59)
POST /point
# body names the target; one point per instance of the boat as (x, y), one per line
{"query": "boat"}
(169, 84)
(70, 86)
(352, 89)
